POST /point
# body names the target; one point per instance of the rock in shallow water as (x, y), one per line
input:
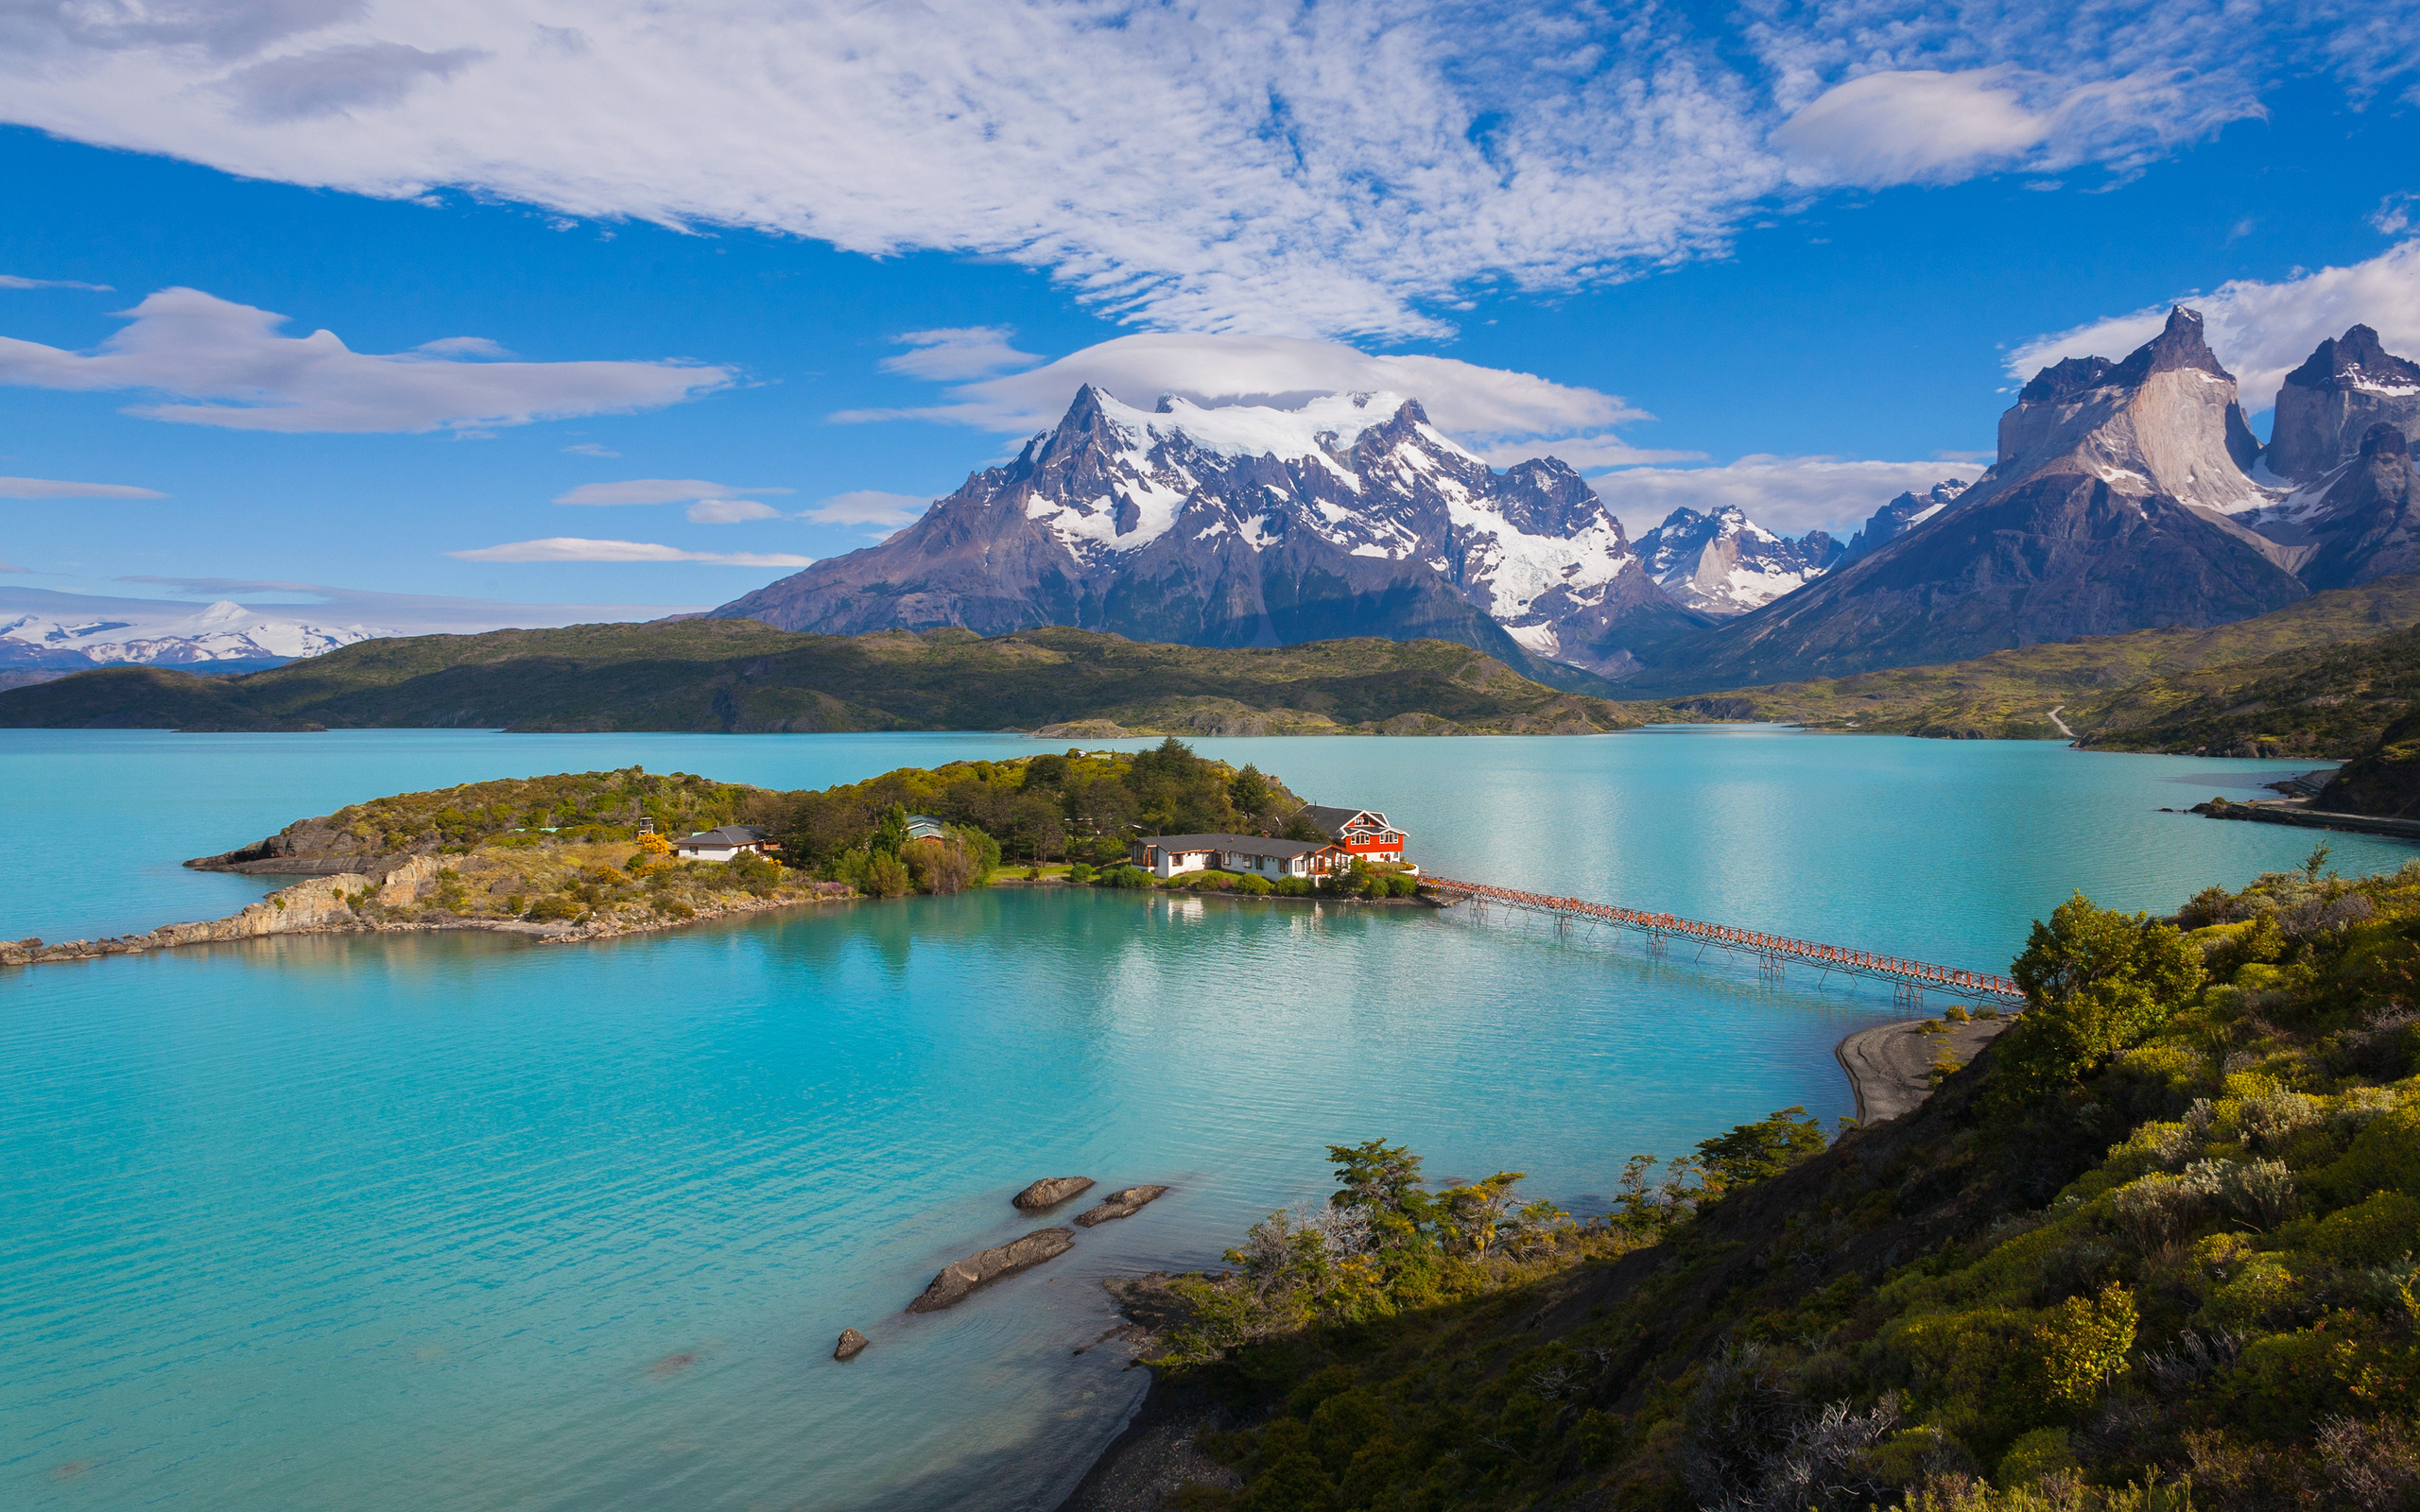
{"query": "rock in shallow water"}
(1051, 1191)
(852, 1344)
(1125, 1203)
(956, 1282)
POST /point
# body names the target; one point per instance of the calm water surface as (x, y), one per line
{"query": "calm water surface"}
(459, 1221)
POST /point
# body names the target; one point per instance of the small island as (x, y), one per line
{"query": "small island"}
(590, 855)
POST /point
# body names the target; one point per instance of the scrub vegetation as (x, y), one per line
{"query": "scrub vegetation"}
(740, 677)
(2155, 1249)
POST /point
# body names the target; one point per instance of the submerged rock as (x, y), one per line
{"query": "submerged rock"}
(957, 1282)
(1051, 1191)
(1121, 1204)
(852, 1344)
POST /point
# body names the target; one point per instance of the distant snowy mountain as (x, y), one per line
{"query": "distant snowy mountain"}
(1256, 526)
(1724, 563)
(223, 632)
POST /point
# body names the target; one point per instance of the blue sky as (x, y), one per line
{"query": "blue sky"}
(1818, 239)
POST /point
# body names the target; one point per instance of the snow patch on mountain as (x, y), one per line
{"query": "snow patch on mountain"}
(1726, 563)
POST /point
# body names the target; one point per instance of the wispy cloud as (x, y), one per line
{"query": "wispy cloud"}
(1463, 398)
(234, 369)
(589, 448)
(730, 512)
(58, 488)
(884, 512)
(10, 280)
(654, 490)
(1790, 494)
(1351, 167)
(2261, 331)
(409, 613)
(575, 548)
(959, 352)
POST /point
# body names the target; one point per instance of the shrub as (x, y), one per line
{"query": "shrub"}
(553, 907)
(674, 908)
(2158, 1211)
(2266, 1120)
(2096, 982)
(1128, 877)
(1079, 872)
(2261, 1193)
(2085, 1344)
(2043, 1451)
(1294, 887)
(513, 902)
(2371, 1232)
(1255, 886)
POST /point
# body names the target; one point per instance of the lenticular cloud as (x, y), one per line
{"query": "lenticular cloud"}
(1281, 168)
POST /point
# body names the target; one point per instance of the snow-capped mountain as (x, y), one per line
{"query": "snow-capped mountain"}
(223, 632)
(2327, 406)
(1900, 516)
(1255, 525)
(1724, 563)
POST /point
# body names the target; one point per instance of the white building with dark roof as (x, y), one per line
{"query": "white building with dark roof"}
(1174, 855)
(720, 843)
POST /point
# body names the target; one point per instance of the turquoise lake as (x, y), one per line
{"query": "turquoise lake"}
(459, 1220)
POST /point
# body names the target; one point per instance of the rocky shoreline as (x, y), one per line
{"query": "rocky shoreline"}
(355, 902)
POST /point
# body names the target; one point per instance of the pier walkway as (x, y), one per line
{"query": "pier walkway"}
(1912, 979)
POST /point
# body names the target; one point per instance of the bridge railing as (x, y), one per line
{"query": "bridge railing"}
(1774, 948)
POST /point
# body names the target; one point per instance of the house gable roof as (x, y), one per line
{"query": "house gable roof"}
(1336, 821)
(1250, 845)
(722, 835)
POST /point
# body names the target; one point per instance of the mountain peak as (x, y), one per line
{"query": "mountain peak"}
(2358, 350)
(2179, 345)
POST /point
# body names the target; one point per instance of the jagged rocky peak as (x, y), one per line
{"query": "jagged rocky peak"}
(1724, 563)
(1901, 515)
(2361, 527)
(2324, 407)
(2165, 420)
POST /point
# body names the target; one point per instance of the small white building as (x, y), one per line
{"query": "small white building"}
(721, 843)
(1174, 855)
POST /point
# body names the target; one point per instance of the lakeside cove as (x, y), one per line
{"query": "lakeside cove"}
(636, 1190)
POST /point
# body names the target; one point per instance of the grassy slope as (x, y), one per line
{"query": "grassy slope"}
(2021, 1294)
(2104, 683)
(741, 676)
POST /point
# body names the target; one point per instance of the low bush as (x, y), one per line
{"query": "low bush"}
(556, 907)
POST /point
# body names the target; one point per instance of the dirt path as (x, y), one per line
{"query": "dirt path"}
(2060, 723)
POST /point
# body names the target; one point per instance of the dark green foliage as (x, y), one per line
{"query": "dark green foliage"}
(2095, 982)
(1767, 1147)
(740, 677)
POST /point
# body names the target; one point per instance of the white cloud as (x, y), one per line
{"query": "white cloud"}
(335, 81)
(589, 448)
(654, 490)
(1462, 397)
(869, 507)
(959, 352)
(730, 512)
(1264, 166)
(10, 280)
(55, 488)
(405, 614)
(1787, 494)
(235, 371)
(2262, 330)
(575, 548)
(1924, 126)
(2394, 215)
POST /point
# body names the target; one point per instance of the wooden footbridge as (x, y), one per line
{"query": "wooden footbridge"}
(1912, 979)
